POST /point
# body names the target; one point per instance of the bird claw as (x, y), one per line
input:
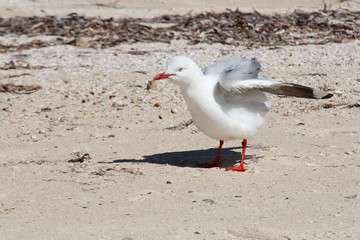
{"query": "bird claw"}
(237, 169)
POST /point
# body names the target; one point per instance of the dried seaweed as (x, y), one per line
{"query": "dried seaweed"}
(229, 27)
(342, 105)
(19, 89)
(180, 126)
(19, 64)
(79, 157)
(255, 29)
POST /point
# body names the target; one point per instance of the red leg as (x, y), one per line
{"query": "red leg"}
(240, 168)
(216, 163)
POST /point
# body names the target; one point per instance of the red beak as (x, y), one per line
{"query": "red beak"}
(162, 76)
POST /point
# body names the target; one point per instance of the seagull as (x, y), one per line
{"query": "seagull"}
(227, 100)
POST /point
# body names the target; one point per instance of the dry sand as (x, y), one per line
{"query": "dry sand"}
(141, 180)
(151, 8)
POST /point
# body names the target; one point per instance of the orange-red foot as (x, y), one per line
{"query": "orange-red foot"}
(211, 165)
(238, 169)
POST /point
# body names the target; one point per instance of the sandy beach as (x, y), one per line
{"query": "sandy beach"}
(92, 155)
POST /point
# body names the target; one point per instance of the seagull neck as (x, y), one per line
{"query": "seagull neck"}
(198, 89)
(194, 81)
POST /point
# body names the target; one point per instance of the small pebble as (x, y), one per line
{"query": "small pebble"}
(351, 197)
(42, 131)
(157, 105)
(127, 238)
(33, 138)
(339, 92)
(82, 43)
(134, 100)
(209, 201)
(174, 110)
(151, 85)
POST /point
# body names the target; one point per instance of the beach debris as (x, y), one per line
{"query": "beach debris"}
(33, 138)
(351, 196)
(174, 110)
(231, 27)
(151, 85)
(135, 171)
(81, 43)
(134, 100)
(42, 131)
(79, 157)
(209, 201)
(342, 105)
(180, 126)
(19, 89)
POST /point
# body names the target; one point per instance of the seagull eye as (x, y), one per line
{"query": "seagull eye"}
(180, 70)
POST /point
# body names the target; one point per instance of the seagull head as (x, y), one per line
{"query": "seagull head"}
(181, 70)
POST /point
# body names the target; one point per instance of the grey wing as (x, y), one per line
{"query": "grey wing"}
(244, 76)
(244, 70)
(234, 67)
(279, 88)
(240, 75)
(234, 71)
(296, 90)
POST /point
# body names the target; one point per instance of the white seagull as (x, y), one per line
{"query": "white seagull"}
(227, 99)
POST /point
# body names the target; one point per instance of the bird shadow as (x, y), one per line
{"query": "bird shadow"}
(194, 158)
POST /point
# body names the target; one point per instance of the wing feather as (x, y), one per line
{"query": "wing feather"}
(234, 67)
(240, 75)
